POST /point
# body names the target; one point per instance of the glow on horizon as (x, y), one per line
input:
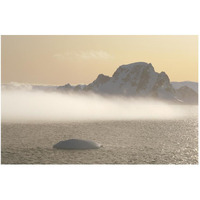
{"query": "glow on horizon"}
(58, 60)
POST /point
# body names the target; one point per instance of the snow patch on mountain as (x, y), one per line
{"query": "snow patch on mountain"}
(135, 79)
(132, 80)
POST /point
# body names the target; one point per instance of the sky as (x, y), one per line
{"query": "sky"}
(58, 60)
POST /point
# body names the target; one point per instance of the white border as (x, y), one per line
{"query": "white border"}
(99, 181)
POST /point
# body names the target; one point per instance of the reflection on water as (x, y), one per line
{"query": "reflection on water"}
(124, 142)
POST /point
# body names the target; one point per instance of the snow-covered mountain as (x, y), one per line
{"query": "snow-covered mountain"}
(190, 84)
(133, 80)
(138, 80)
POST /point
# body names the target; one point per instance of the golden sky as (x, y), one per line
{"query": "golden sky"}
(58, 60)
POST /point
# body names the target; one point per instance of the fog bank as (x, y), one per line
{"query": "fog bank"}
(27, 105)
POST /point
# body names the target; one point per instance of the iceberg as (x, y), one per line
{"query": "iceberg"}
(77, 144)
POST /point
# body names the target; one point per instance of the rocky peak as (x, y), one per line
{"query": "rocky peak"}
(136, 79)
(65, 87)
(102, 79)
(133, 68)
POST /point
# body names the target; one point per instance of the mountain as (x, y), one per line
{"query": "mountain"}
(137, 80)
(69, 87)
(190, 84)
(133, 80)
(187, 95)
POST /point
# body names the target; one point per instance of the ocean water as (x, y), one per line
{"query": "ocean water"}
(124, 142)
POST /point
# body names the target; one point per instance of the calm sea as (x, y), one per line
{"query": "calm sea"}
(124, 142)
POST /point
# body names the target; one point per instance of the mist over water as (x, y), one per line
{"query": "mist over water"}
(30, 105)
(132, 131)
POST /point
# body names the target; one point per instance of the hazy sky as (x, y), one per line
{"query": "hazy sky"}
(58, 60)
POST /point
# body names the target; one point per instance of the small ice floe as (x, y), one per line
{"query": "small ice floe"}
(77, 144)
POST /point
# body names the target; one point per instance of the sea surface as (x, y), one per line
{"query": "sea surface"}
(124, 142)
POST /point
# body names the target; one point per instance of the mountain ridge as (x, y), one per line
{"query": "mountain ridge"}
(137, 80)
(190, 84)
(132, 80)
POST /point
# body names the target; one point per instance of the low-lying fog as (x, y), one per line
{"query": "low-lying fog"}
(28, 105)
